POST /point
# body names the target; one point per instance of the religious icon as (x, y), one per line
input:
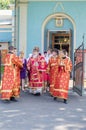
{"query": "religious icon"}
(59, 22)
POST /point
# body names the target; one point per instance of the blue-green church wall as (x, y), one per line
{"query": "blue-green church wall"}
(6, 37)
(39, 11)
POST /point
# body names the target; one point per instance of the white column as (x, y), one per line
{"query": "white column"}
(13, 30)
(48, 37)
(23, 28)
(17, 26)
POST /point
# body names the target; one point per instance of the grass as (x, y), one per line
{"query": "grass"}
(2, 69)
(1, 72)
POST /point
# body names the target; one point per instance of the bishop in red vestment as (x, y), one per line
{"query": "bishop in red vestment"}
(36, 66)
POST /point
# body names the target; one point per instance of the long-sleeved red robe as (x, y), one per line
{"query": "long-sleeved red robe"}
(11, 77)
(37, 67)
(53, 71)
(62, 79)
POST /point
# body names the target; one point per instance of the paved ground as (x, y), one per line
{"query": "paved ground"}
(43, 113)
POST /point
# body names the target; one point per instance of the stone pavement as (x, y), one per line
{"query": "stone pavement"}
(43, 113)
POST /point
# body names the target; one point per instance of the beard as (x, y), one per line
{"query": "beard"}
(35, 55)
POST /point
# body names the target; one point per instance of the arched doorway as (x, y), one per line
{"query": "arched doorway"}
(59, 15)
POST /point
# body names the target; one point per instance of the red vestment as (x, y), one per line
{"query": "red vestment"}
(42, 68)
(11, 77)
(62, 79)
(37, 68)
(53, 71)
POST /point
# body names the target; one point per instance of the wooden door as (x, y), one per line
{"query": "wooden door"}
(62, 40)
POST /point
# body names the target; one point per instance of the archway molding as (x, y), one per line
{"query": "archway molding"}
(55, 15)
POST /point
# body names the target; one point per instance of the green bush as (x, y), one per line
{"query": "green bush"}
(2, 69)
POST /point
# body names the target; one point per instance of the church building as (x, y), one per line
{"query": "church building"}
(50, 23)
(57, 24)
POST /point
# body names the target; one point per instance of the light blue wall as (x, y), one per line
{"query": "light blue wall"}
(39, 11)
(6, 37)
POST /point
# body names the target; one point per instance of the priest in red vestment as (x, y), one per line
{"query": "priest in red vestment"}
(11, 76)
(63, 77)
(53, 69)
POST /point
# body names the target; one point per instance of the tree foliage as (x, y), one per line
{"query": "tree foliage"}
(12, 1)
(4, 4)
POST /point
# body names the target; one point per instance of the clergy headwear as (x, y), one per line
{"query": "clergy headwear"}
(36, 49)
(21, 52)
(11, 48)
(55, 50)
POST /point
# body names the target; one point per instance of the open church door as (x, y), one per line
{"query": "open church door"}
(78, 75)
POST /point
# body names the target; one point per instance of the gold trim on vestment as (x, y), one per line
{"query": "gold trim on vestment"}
(37, 82)
(61, 90)
(34, 88)
(5, 99)
(15, 89)
(42, 70)
(35, 74)
(34, 78)
(54, 64)
(6, 91)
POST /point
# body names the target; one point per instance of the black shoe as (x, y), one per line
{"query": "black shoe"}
(65, 101)
(6, 101)
(13, 99)
(54, 98)
(51, 95)
(37, 94)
